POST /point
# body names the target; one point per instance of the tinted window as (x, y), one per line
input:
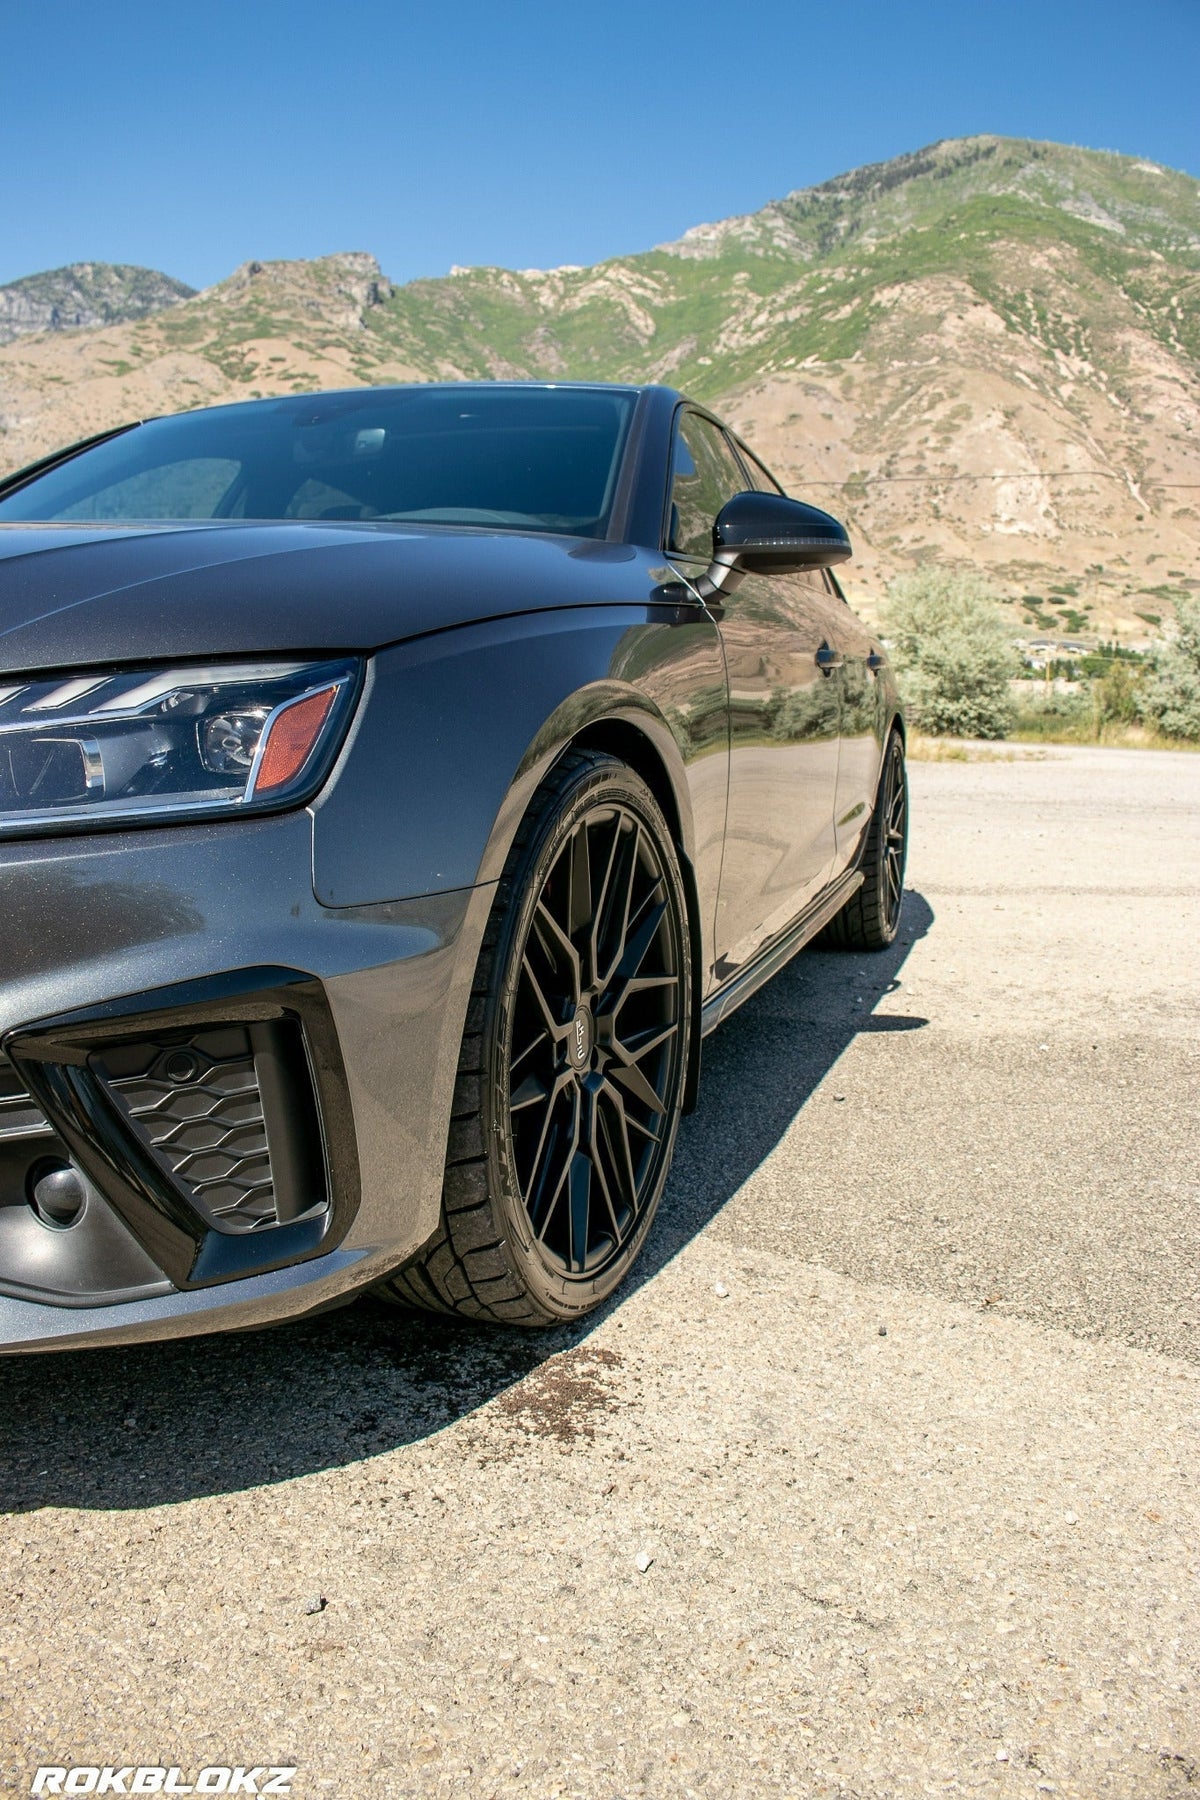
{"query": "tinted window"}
(541, 459)
(758, 481)
(704, 475)
(189, 489)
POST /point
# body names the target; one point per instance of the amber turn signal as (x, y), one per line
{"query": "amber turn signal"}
(291, 738)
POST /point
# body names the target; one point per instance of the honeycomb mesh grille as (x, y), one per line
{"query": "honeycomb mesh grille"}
(197, 1103)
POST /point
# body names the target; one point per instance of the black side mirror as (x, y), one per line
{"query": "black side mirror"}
(769, 534)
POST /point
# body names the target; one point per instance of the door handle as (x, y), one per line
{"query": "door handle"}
(874, 661)
(828, 659)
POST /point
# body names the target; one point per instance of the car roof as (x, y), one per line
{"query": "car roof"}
(423, 387)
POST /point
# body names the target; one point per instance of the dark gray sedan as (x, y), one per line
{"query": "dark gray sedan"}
(395, 787)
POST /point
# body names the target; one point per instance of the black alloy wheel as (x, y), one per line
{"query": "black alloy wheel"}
(894, 834)
(568, 1099)
(595, 1041)
(870, 919)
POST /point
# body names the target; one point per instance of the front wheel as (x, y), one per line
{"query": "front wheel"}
(571, 1075)
(870, 919)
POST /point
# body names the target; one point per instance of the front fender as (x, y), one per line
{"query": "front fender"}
(459, 727)
(601, 702)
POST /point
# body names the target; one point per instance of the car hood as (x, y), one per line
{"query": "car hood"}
(73, 596)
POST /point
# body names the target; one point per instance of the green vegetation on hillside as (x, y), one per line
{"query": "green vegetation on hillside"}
(804, 277)
(987, 351)
(810, 276)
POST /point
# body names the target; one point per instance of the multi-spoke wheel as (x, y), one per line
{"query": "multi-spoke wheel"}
(870, 919)
(594, 1040)
(577, 1076)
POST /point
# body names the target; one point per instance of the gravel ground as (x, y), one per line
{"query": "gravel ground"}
(878, 1480)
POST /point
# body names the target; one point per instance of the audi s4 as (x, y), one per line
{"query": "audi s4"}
(395, 787)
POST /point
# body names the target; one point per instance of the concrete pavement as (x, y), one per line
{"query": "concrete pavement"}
(908, 1508)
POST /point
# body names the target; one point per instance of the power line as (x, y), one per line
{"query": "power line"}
(1021, 475)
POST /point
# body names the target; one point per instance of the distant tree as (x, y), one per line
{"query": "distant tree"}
(952, 649)
(1116, 695)
(1170, 696)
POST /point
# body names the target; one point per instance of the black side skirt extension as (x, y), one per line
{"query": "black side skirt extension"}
(778, 951)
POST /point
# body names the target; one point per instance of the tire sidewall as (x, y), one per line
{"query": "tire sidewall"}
(878, 873)
(603, 780)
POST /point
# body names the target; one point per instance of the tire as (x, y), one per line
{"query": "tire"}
(870, 919)
(571, 1075)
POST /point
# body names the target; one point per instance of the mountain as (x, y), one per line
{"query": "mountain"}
(987, 351)
(85, 294)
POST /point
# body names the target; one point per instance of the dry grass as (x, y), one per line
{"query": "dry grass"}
(1030, 746)
(945, 749)
(1111, 736)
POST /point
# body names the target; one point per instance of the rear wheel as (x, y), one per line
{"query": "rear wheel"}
(870, 919)
(571, 1075)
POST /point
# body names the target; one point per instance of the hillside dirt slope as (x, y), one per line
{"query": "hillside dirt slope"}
(987, 351)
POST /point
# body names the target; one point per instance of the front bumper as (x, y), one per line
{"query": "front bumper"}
(250, 1092)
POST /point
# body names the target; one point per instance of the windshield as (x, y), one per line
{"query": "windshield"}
(527, 459)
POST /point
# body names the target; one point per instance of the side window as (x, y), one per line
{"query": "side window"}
(759, 481)
(704, 475)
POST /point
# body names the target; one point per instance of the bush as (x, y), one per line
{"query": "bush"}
(1170, 696)
(1117, 696)
(953, 653)
(1043, 700)
(1054, 715)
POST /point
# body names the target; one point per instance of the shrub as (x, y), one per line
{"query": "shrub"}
(953, 653)
(1042, 700)
(1170, 696)
(1055, 715)
(1116, 695)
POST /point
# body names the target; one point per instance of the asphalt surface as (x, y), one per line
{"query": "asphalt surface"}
(878, 1480)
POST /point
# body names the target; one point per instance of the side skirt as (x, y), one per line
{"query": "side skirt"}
(780, 950)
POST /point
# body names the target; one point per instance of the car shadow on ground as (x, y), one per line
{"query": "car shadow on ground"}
(146, 1426)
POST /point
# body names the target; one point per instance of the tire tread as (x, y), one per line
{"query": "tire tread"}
(862, 922)
(455, 1272)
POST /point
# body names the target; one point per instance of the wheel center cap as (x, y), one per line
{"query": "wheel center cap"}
(581, 1038)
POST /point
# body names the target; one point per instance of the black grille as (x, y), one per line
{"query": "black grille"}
(197, 1100)
(210, 1120)
(95, 1260)
(20, 1117)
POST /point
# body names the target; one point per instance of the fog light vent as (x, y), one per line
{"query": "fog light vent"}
(199, 1103)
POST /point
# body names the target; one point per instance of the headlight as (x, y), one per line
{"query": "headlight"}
(88, 750)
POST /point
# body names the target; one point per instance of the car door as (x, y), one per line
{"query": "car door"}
(862, 722)
(783, 710)
(849, 649)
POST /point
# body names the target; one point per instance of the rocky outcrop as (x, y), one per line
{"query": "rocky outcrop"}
(341, 289)
(83, 295)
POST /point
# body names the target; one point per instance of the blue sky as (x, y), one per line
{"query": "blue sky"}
(191, 138)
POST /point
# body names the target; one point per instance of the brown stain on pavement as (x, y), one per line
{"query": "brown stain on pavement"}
(565, 1398)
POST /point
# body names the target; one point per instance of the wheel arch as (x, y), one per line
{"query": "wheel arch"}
(458, 730)
(623, 722)
(894, 722)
